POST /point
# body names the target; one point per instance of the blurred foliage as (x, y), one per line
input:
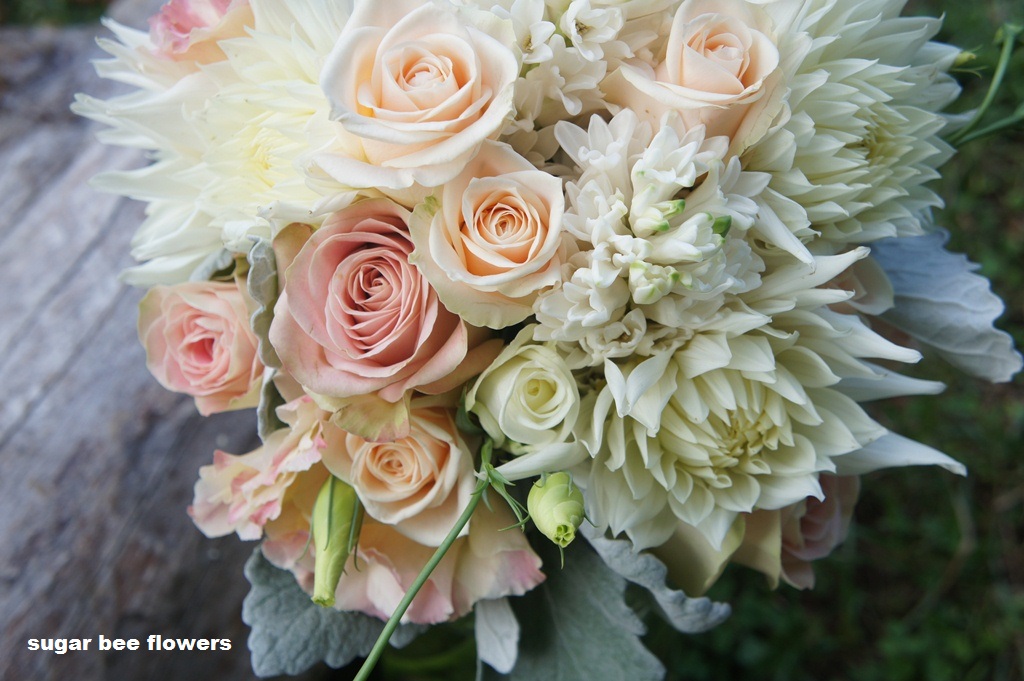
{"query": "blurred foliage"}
(50, 11)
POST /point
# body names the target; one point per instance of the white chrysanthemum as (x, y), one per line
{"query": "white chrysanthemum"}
(860, 139)
(733, 422)
(662, 220)
(230, 140)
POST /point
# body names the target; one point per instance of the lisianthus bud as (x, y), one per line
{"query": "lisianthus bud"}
(337, 517)
(556, 506)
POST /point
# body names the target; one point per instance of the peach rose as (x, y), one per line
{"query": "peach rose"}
(720, 69)
(189, 30)
(487, 564)
(495, 241)
(418, 88)
(198, 342)
(356, 319)
(242, 493)
(419, 483)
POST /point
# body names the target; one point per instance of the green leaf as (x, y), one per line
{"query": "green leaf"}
(579, 625)
(263, 288)
(290, 633)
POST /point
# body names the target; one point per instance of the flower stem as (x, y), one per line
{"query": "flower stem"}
(1010, 34)
(992, 129)
(424, 575)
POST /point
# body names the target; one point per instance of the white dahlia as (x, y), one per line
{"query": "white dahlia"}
(230, 138)
(860, 136)
(736, 421)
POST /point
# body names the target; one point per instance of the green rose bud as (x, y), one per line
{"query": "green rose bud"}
(556, 507)
(337, 517)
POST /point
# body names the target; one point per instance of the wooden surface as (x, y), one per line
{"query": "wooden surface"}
(97, 461)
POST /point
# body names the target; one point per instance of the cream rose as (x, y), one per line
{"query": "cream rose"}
(198, 342)
(496, 239)
(420, 484)
(527, 395)
(359, 326)
(528, 403)
(720, 69)
(416, 88)
(189, 30)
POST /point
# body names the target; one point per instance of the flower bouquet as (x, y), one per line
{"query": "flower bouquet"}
(627, 269)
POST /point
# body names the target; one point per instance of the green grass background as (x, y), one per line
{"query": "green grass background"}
(930, 583)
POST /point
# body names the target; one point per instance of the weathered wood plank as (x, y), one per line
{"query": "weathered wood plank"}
(97, 461)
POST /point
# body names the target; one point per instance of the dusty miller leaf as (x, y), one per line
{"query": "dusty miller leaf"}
(217, 266)
(290, 633)
(263, 288)
(578, 625)
(941, 302)
(266, 413)
(687, 615)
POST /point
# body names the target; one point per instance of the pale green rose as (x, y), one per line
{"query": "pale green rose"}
(556, 507)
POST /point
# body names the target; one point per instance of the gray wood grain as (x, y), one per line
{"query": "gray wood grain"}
(97, 461)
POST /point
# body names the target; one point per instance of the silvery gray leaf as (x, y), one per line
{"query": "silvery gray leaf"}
(267, 420)
(942, 302)
(579, 625)
(263, 288)
(217, 265)
(687, 615)
(290, 633)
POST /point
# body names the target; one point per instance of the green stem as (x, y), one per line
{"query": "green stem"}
(992, 129)
(1010, 33)
(421, 579)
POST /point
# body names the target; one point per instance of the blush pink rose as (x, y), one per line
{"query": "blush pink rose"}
(243, 493)
(720, 69)
(496, 240)
(419, 483)
(417, 87)
(198, 342)
(812, 532)
(189, 30)
(783, 543)
(356, 318)
(487, 564)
